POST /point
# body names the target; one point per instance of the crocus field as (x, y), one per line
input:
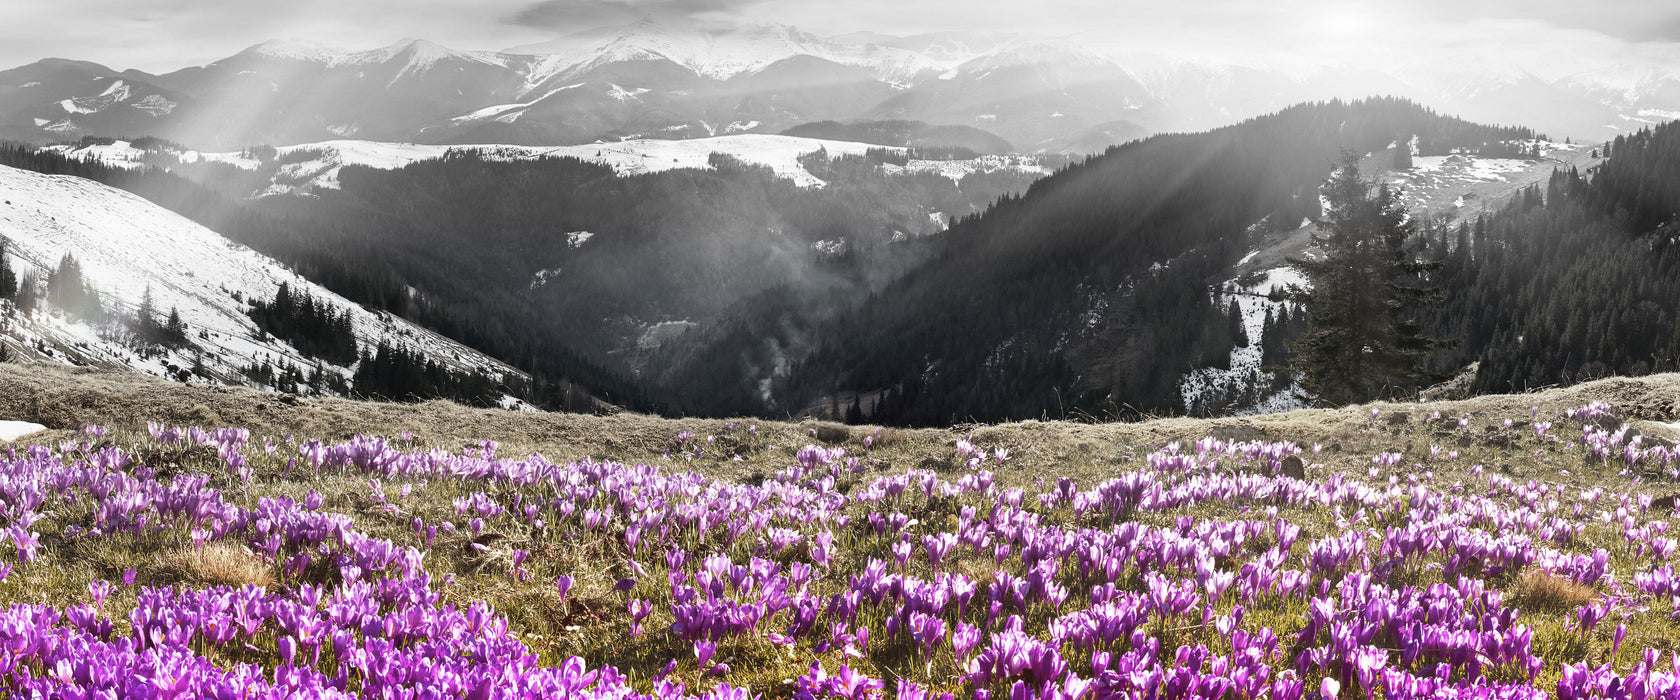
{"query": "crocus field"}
(196, 563)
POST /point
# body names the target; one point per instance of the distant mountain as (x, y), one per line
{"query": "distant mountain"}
(652, 80)
(56, 99)
(128, 247)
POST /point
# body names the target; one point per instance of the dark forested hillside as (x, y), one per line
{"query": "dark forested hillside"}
(1089, 293)
(1577, 281)
(646, 274)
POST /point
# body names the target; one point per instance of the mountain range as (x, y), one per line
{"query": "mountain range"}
(650, 80)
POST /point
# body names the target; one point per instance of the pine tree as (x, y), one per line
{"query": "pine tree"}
(8, 278)
(67, 288)
(146, 316)
(1403, 154)
(1239, 334)
(1362, 343)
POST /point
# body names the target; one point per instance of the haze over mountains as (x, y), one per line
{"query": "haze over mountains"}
(656, 80)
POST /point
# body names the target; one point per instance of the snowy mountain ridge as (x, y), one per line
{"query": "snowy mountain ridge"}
(653, 80)
(314, 165)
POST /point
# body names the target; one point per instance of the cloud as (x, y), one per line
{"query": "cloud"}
(162, 35)
(572, 15)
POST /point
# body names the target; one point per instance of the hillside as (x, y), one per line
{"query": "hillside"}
(222, 528)
(128, 247)
(1089, 293)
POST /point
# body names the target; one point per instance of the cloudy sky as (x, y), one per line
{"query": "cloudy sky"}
(161, 35)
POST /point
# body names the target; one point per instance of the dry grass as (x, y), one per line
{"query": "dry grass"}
(830, 433)
(217, 564)
(65, 398)
(1542, 591)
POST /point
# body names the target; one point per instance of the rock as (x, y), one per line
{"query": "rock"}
(1663, 502)
(831, 434)
(1294, 467)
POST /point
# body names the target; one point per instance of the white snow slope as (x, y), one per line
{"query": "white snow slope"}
(126, 244)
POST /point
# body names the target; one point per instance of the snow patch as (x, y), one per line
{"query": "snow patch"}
(1254, 302)
(576, 239)
(511, 112)
(1468, 167)
(623, 95)
(13, 429)
(118, 91)
(829, 248)
(542, 277)
(956, 170)
(156, 105)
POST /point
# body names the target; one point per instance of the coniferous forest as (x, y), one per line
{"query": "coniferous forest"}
(315, 328)
(1575, 281)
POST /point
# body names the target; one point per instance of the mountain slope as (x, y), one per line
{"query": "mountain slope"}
(56, 98)
(1090, 292)
(127, 245)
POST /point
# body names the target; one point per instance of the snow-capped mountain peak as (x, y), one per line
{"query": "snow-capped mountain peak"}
(295, 50)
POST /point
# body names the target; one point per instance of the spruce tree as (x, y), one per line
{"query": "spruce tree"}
(68, 289)
(8, 278)
(1403, 154)
(1234, 317)
(1362, 343)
